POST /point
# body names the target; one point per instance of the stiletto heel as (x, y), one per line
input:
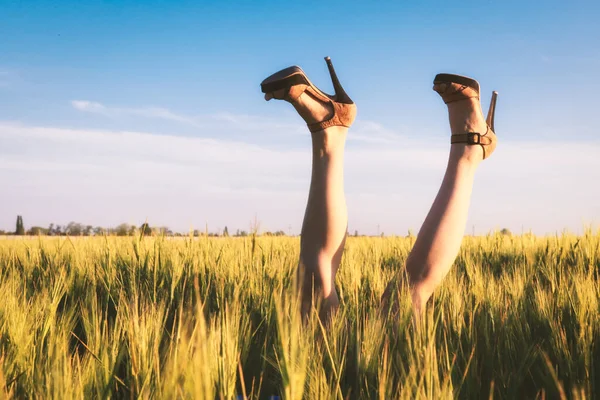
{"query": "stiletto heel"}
(456, 88)
(492, 111)
(293, 81)
(340, 93)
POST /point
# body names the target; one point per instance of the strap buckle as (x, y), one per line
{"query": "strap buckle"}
(473, 138)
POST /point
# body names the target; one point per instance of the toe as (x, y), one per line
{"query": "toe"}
(440, 87)
(278, 94)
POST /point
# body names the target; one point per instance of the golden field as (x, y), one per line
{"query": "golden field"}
(206, 318)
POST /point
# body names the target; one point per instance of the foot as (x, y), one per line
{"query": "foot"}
(308, 107)
(319, 109)
(466, 117)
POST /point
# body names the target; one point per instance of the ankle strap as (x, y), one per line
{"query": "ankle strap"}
(471, 138)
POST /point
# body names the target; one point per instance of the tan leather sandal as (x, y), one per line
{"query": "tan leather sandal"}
(456, 88)
(295, 82)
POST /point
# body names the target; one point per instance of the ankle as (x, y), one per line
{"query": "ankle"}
(329, 141)
(465, 155)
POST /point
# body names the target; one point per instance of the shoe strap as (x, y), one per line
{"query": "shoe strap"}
(462, 93)
(343, 115)
(471, 138)
(319, 126)
(458, 96)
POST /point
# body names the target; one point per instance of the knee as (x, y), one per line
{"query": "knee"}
(423, 279)
(418, 273)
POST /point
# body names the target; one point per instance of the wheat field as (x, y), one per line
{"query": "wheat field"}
(215, 318)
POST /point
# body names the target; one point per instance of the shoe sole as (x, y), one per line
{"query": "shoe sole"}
(284, 79)
(288, 77)
(461, 80)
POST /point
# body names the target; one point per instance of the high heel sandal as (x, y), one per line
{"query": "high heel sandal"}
(295, 82)
(460, 88)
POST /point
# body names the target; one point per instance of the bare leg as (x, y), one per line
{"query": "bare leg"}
(325, 221)
(439, 239)
(326, 217)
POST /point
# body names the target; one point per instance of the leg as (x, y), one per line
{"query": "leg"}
(325, 221)
(326, 218)
(439, 239)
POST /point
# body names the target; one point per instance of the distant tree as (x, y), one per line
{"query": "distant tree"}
(133, 230)
(279, 233)
(98, 231)
(122, 230)
(58, 230)
(37, 231)
(355, 233)
(88, 230)
(243, 233)
(197, 233)
(20, 229)
(164, 230)
(51, 229)
(506, 232)
(74, 229)
(225, 232)
(145, 229)
(2, 232)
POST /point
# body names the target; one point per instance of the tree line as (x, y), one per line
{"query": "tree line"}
(78, 229)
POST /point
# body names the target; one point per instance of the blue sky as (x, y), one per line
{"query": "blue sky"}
(118, 111)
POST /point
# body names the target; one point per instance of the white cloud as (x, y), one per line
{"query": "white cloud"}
(106, 177)
(89, 106)
(148, 112)
(217, 121)
(366, 132)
